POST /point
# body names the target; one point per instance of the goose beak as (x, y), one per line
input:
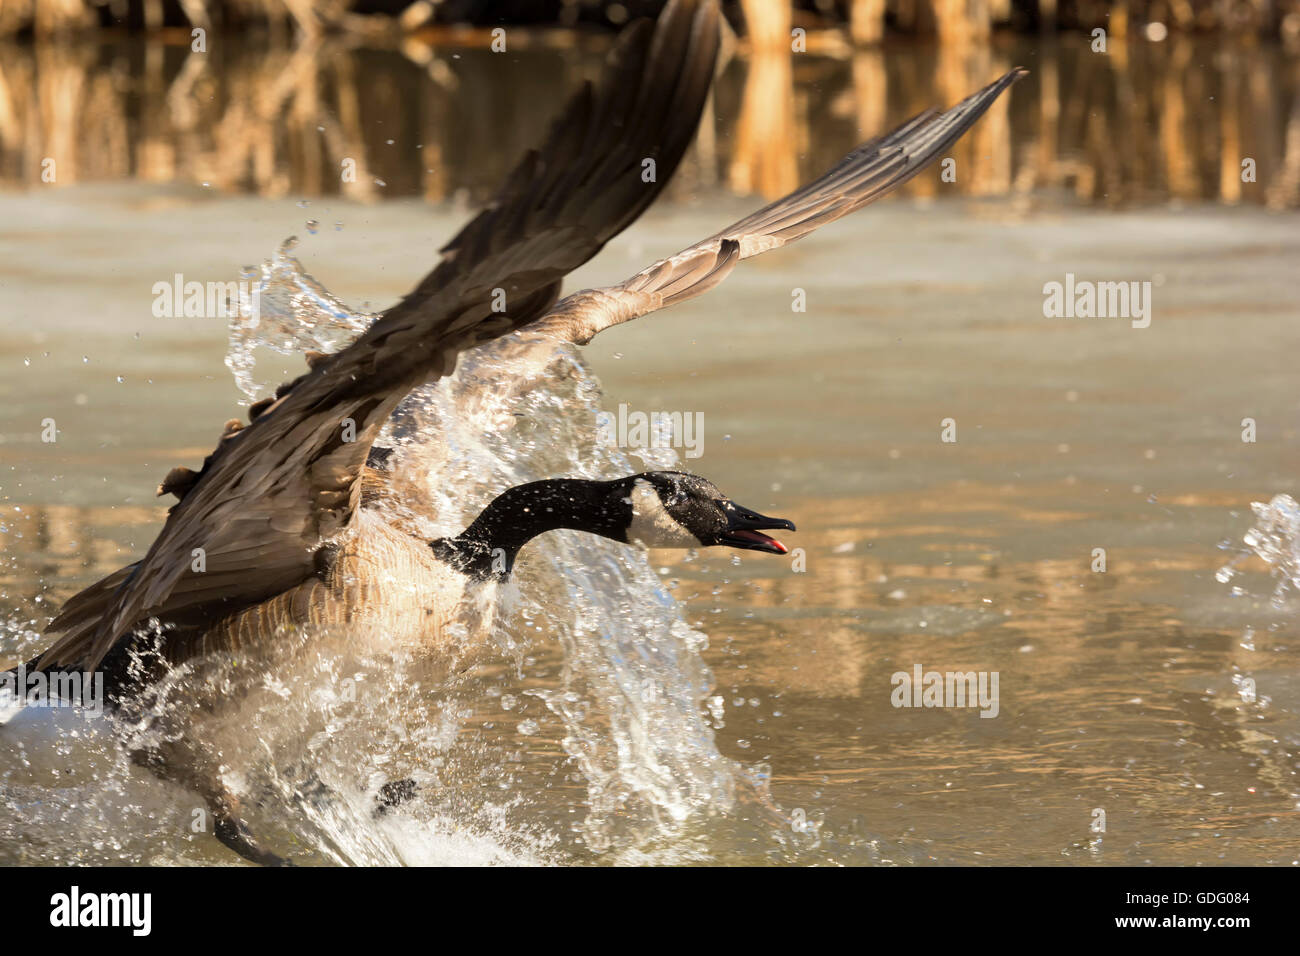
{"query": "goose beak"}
(743, 530)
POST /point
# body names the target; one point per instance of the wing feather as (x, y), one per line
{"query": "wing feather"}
(271, 492)
(865, 174)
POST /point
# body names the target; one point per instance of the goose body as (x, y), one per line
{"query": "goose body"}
(280, 509)
(383, 587)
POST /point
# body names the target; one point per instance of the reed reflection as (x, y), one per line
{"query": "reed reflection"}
(1147, 122)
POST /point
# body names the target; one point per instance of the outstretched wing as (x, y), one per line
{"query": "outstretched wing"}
(865, 174)
(248, 525)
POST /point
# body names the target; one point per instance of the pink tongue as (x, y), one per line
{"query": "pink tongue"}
(761, 539)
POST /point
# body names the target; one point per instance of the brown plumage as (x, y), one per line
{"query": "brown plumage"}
(379, 588)
(276, 535)
(277, 490)
(271, 493)
(873, 169)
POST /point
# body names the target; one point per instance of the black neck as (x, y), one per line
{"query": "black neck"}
(488, 547)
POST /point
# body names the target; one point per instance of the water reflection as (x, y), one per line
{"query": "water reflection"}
(1146, 122)
(1115, 692)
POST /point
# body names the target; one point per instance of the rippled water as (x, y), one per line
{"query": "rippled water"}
(727, 708)
(715, 707)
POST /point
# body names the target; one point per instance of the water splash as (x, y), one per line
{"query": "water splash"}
(590, 694)
(294, 313)
(628, 706)
(1275, 537)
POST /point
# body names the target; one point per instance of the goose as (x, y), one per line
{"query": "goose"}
(282, 511)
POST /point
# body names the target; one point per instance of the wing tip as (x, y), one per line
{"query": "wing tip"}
(1007, 79)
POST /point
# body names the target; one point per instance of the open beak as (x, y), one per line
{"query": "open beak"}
(744, 530)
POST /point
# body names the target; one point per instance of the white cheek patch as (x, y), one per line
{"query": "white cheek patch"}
(652, 526)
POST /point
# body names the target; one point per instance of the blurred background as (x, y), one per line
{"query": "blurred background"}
(1127, 102)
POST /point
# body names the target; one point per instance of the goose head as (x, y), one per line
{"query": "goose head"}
(655, 509)
(672, 509)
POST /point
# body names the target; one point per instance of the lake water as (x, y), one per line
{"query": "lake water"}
(1152, 691)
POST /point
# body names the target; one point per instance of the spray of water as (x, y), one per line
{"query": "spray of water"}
(584, 722)
(630, 699)
(1274, 536)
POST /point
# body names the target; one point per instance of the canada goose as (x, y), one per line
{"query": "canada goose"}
(353, 582)
(280, 510)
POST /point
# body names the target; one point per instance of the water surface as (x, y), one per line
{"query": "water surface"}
(1126, 691)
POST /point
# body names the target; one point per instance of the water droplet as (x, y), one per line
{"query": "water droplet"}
(338, 225)
(312, 226)
(380, 182)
